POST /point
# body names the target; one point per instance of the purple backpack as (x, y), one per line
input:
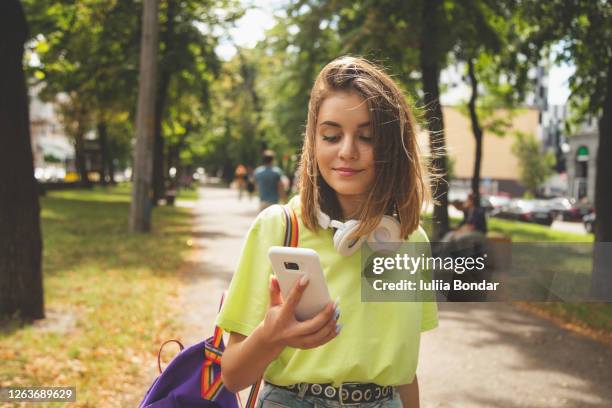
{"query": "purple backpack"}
(193, 377)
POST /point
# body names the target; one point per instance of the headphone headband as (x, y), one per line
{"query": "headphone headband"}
(388, 230)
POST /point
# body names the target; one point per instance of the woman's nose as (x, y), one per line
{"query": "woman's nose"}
(348, 148)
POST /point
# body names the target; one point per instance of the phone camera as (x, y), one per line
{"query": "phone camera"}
(292, 266)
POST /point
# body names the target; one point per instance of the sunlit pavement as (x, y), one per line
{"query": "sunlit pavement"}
(221, 224)
(481, 355)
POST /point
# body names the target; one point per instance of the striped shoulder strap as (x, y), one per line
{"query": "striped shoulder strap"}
(291, 227)
(290, 239)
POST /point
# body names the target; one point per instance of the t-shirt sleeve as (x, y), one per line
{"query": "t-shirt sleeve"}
(430, 316)
(278, 175)
(246, 301)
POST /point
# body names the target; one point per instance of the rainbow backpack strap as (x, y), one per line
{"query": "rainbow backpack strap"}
(291, 227)
(211, 375)
(290, 239)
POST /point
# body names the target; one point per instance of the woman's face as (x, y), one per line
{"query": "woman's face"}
(343, 146)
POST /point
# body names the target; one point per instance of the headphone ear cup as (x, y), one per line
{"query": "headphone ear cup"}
(387, 233)
(342, 241)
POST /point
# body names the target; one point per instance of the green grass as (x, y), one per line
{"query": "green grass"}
(519, 231)
(188, 194)
(527, 232)
(596, 316)
(110, 298)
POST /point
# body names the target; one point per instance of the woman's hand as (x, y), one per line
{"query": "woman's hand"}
(282, 329)
(245, 358)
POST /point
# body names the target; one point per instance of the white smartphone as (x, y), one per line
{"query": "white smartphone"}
(289, 265)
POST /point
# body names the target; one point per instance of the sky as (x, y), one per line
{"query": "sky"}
(252, 26)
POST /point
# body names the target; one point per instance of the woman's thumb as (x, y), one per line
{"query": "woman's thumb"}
(275, 293)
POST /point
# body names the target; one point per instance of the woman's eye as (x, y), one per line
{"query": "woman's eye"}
(329, 138)
(365, 138)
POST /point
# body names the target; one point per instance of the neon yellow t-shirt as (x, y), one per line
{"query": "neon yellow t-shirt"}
(379, 342)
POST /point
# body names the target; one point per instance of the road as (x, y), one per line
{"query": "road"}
(481, 355)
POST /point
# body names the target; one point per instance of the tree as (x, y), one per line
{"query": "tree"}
(235, 131)
(535, 167)
(140, 208)
(188, 65)
(21, 287)
(75, 114)
(85, 66)
(432, 51)
(480, 26)
(582, 28)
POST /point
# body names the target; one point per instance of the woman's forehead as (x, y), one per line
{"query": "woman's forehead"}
(344, 108)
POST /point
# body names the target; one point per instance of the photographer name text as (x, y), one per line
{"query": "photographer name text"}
(436, 284)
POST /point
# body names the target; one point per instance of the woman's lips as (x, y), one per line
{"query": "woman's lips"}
(346, 172)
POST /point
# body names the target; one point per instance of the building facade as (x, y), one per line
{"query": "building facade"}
(581, 162)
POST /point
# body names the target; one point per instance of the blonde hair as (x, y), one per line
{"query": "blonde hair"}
(398, 187)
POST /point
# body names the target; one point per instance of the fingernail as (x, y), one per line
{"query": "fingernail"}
(337, 314)
(336, 302)
(339, 327)
(304, 280)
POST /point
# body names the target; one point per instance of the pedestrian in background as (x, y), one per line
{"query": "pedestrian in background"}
(241, 179)
(268, 179)
(250, 182)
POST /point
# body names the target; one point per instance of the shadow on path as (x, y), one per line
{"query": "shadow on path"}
(492, 354)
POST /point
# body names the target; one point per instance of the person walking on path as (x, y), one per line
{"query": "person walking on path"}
(250, 181)
(360, 164)
(268, 179)
(241, 179)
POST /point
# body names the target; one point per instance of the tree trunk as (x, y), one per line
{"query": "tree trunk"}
(111, 170)
(79, 151)
(106, 160)
(21, 285)
(430, 71)
(602, 251)
(477, 131)
(167, 35)
(140, 208)
(158, 150)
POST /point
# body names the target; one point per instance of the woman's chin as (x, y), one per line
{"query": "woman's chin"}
(348, 189)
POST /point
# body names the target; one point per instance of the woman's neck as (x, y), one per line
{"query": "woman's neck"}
(350, 205)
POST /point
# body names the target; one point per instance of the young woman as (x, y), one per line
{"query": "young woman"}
(359, 161)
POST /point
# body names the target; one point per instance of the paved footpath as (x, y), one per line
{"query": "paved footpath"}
(481, 355)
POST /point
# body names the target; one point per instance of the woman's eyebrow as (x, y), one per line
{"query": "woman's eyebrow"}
(330, 123)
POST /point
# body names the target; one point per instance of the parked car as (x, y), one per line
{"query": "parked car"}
(496, 203)
(535, 211)
(568, 209)
(589, 222)
(458, 198)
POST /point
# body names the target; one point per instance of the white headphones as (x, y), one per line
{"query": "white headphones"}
(387, 231)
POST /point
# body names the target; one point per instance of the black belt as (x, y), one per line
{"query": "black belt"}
(347, 393)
